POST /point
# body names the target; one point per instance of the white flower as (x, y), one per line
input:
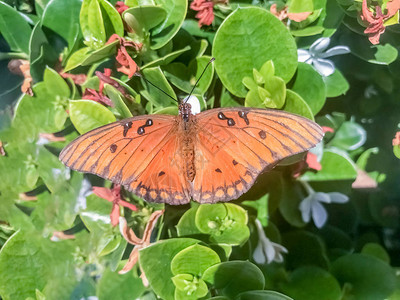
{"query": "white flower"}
(311, 205)
(194, 102)
(316, 55)
(267, 251)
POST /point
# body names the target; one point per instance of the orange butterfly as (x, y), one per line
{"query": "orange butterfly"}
(212, 156)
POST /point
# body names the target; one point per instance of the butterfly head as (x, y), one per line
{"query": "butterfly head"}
(185, 110)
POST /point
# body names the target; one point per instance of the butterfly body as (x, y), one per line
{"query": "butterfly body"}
(212, 156)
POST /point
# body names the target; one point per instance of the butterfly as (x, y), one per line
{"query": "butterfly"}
(212, 156)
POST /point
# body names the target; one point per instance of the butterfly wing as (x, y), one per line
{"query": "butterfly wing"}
(234, 145)
(141, 153)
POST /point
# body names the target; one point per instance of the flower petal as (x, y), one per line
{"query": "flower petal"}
(323, 66)
(319, 214)
(337, 50)
(103, 192)
(320, 45)
(114, 215)
(128, 233)
(338, 197)
(133, 259)
(258, 254)
(303, 55)
(150, 225)
(305, 208)
(322, 197)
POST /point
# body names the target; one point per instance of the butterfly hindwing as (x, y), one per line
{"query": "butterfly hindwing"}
(234, 145)
(132, 152)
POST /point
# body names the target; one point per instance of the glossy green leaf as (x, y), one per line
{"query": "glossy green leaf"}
(35, 263)
(194, 260)
(334, 167)
(304, 248)
(167, 59)
(234, 277)
(294, 103)
(377, 251)
(155, 96)
(310, 86)
(368, 277)
(14, 28)
(143, 18)
(76, 59)
(55, 84)
(176, 12)
(262, 295)
(349, 136)
(87, 115)
(312, 283)
(113, 21)
(44, 112)
(92, 24)
(189, 287)
(237, 52)
(22, 173)
(119, 286)
(225, 223)
(63, 18)
(158, 271)
(184, 77)
(118, 101)
(336, 84)
(382, 54)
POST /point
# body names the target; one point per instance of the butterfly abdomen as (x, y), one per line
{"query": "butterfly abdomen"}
(187, 148)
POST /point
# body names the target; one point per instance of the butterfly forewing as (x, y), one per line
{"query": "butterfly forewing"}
(234, 145)
(133, 152)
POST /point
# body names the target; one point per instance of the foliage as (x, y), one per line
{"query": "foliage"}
(324, 226)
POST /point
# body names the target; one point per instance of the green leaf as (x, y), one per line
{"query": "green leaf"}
(189, 287)
(92, 24)
(118, 101)
(290, 195)
(119, 286)
(155, 96)
(187, 225)
(237, 48)
(55, 84)
(143, 18)
(305, 248)
(349, 136)
(44, 112)
(298, 6)
(176, 12)
(262, 295)
(87, 115)
(76, 59)
(377, 251)
(194, 260)
(336, 84)
(312, 283)
(20, 172)
(112, 18)
(35, 263)
(226, 223)
(334, 167)
(167, 59)
(63, 18)
(367, 277)
(184, 77)
(294, 103)
(158, 271)
(14, 28)
(382, 54)
(310, 86)
(234, 277)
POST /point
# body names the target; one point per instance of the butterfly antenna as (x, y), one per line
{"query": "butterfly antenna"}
(211, 60)
(140, 75)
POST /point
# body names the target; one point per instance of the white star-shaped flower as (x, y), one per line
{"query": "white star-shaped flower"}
(316, 55)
